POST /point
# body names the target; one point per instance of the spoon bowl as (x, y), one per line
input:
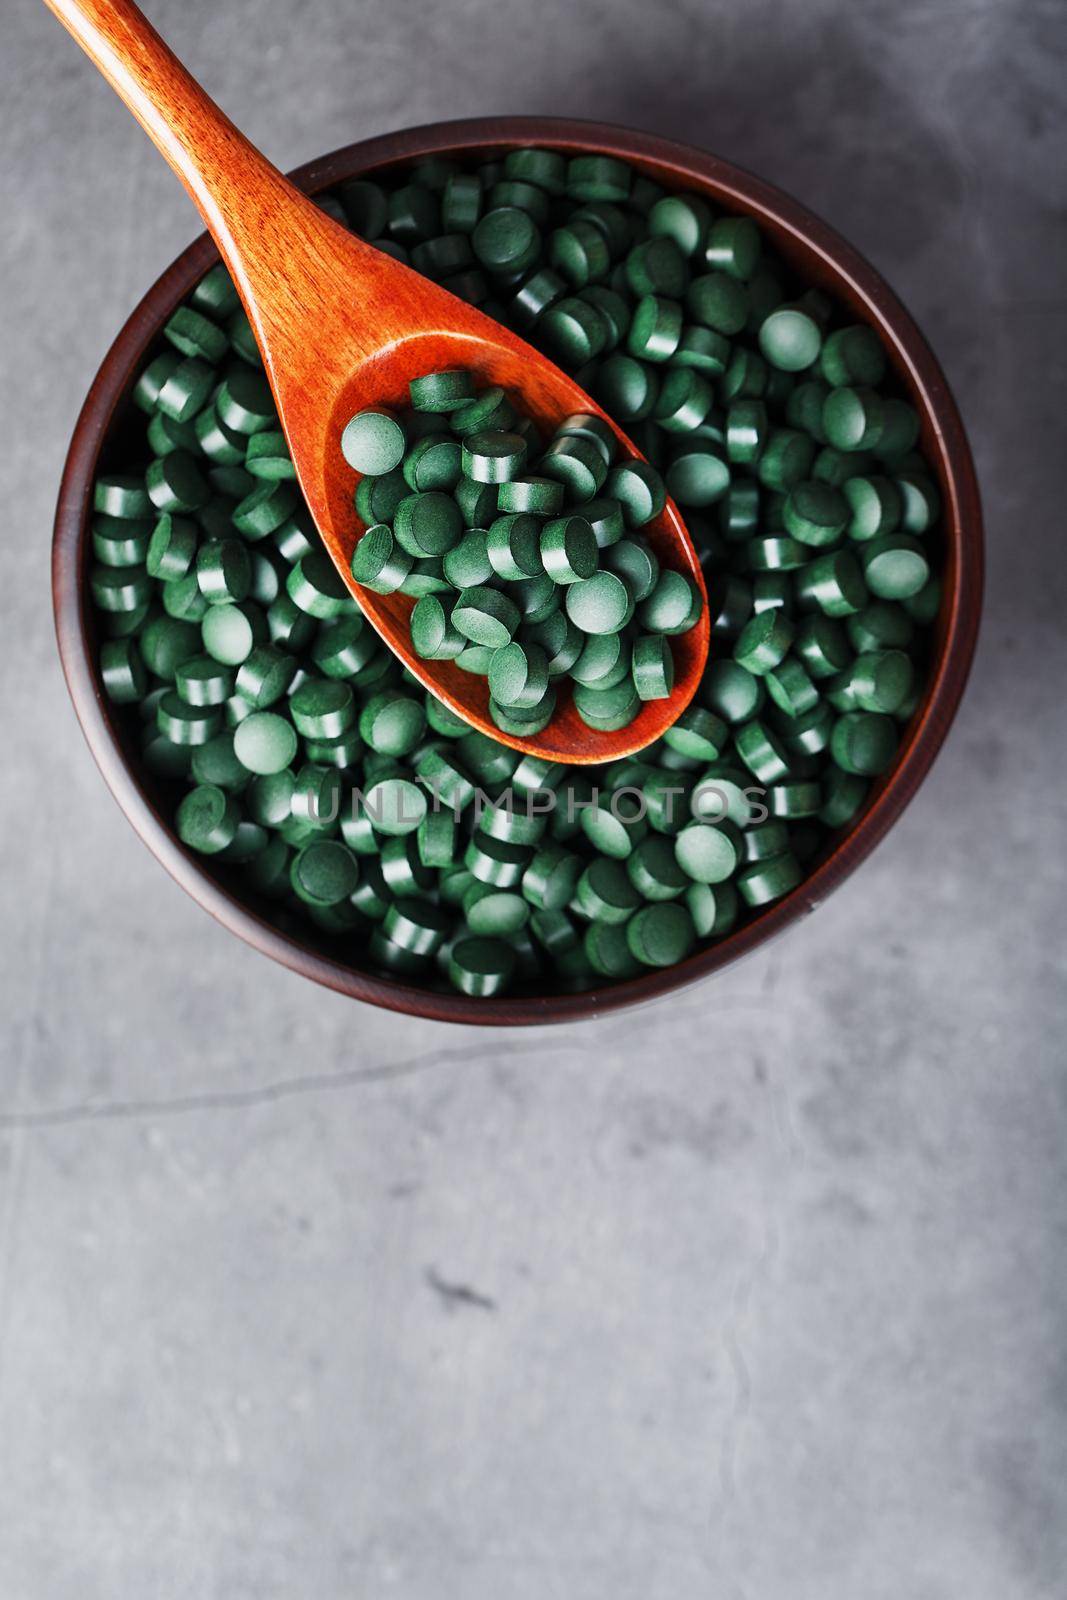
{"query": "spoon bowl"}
(342, 326)
(547, 395)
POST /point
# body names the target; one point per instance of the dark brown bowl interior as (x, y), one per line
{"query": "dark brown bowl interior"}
(819, 255)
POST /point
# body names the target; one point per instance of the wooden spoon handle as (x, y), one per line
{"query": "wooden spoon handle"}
(236, 189)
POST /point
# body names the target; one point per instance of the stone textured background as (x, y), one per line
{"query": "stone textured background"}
(767, 1291)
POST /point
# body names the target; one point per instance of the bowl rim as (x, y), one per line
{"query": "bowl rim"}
(854, 279)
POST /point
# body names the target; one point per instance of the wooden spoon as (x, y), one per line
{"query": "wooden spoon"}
(341, 326)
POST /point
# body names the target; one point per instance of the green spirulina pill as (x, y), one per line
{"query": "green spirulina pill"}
(895, 566)
(833, 582)
(542, 497)
(215, 762)
(568, 549)
(203, 682)
(467, 564)
(615, 824)
(122, 671)
(632, 559)
(684, 219)
(230, 632)
(764, 881)
(264, 742)
(316, 586)
(734, 246)
(654, 871)
(924, 606)
(545, 168)
(761, 753)
(121, 541)
(442, 391)
(186, 390)
(863, 743)
(785, 459)
(518, 675)
(852, 355)
(244, 403)
(324, 872)
(625, 385)
(791, 688)
(607, 709)
(172, 548)
(207, 819)
(537, 599)
(490, 411)
(433, 635)
(480, 966)
(267, 507)
(182, 599)
(881, 680)
(493, 457)
(578, 463)
(485, 616)
(379, 562)
(416, 925)
(764, 642)
(396, 806)
(376, 499)
(268, 457)
(427, 576)
(852, 418)
(573, 330)
(654, 335)
(653, 668)
(608, 952)
(790, 338)
(718, 301)
(175, 483)
(707, 853)
(427, 524)
(673, 605)
(342, 646)
(660, 935)
(875, 506)
(920, 502)
(599, 604)
(639, 489)
(373, 442)
(605, 517)
(223, 571)
(524, 721)
(433, 463)
(392, 723)
(475, 659)
(697, 735)
(604, 892)
(506, 240)
(731, 690)
(513, 547)
(550, 878)
(698, 474)
(269, 797)
(815, 513)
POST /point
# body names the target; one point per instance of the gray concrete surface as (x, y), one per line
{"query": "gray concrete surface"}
(768, 1291)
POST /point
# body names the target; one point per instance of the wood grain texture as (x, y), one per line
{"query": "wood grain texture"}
(816, 252)
(342, 326)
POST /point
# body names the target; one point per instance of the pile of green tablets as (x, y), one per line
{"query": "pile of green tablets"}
(302, 757)
(528, 568)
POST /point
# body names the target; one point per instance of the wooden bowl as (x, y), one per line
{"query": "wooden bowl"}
(821, 257)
